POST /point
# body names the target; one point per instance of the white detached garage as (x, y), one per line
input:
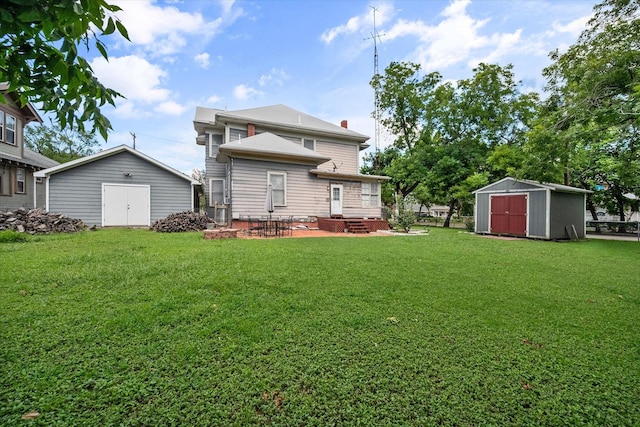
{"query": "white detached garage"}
(117, 187)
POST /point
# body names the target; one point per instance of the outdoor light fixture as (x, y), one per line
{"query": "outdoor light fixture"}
(128, 174)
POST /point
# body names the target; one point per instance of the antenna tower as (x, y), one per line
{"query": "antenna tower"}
(376, 38)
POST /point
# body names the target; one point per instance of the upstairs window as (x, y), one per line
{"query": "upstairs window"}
(1, 125)
(214, 144)
(309, 144)
(237, 134)
(10, 129)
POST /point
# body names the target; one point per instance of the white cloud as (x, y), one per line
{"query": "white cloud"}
(164, 30)
(243, 92)
(214, 99)
(133, 77)
(574, 27)
(202, 60)
(276, 76)
(171, 108)
(362, 23)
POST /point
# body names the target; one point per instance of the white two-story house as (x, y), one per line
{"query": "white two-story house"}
(18, 187)
(312, 165)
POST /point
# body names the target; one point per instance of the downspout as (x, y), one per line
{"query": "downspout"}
(229, 175)
(35, 188)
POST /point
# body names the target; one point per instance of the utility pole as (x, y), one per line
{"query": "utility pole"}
(134, 139)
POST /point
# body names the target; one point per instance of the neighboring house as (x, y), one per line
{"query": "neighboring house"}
(117, 187)
(17, 163)
(436, 211)
(312, 165)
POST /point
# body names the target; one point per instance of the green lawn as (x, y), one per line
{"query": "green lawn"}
(131, 327)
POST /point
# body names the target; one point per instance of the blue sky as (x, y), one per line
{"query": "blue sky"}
(314, 56)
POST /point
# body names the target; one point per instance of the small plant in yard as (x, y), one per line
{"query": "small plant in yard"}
(11, 236)
(469, 224)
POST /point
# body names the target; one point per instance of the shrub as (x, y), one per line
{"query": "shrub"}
(11, 236)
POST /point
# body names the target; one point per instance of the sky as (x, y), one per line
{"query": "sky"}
(314, 56)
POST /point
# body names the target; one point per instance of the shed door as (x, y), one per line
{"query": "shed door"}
(509, 215)
(125, 205)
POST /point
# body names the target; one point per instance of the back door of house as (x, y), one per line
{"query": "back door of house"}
(125, 205)
(336, 199)
(509, 214)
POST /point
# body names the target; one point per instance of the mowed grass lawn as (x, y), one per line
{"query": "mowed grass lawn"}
(131, 327)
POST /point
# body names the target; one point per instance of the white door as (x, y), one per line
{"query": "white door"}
(336, 199)
(125, 205)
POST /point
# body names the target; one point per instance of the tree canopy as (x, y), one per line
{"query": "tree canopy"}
(61, 145)
(40, 42)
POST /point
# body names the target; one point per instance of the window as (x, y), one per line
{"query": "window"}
(214, 144)
(278, 181)
(370, 195)
(20, 178)
(1, 125)
(216, 192)
(10, 130)
(237, 134)
(309, 144)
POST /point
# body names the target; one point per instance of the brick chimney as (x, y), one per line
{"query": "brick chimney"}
(251, 129)
(344, 124)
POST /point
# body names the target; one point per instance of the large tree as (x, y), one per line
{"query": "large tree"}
(40, 42)
(446, 132)
(61, 145)
(588, 132)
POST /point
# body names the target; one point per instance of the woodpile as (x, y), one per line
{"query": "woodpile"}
(38, 221)
(183, 221)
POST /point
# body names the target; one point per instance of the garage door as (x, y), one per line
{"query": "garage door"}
(125, 205)
(509, 215)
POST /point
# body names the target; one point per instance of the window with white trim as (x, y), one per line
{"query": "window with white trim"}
(370, 193)
(10, 129)
(214, 144)
(1, 125)
(216, 192)
(278, 181)
(309, 144)
(20, 181)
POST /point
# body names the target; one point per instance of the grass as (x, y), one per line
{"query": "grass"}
(130, 327)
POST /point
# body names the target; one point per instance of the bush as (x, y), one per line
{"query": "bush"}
(11, 236)
(470, 225)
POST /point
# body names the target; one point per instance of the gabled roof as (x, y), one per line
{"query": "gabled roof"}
(107, 153)
(542, 185)
(277, 116)
(30, 114)
(267, 146)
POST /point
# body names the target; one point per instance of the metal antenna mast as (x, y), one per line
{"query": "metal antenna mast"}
(376, 37)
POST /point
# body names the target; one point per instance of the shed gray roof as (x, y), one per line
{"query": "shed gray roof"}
(106, 153)
(268, 145)
(543, 185)
(280, 116)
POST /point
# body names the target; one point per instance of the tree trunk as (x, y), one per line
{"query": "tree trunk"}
(447, 221)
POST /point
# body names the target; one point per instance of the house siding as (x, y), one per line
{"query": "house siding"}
(345, 156)
(307, 195)
(77, 192)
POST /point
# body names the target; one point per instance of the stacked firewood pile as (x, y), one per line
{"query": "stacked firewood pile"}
(183, 221)
(38, 221)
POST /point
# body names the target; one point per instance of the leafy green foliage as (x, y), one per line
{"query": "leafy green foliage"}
(130, 327)
(41, 62)
(588, 131)
(61, 145)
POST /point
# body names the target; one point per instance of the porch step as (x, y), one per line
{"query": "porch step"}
(356, 227)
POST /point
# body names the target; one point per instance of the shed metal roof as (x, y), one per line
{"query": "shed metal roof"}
(542, 185)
